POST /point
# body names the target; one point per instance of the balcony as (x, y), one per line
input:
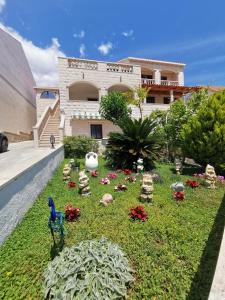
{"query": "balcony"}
(97, 66)
(147, 81)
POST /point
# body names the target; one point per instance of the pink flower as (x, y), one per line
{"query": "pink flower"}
(112, 176)
(105, 181)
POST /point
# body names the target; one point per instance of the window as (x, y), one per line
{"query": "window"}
(166, 100)
(47, 95)
(96, 131)
(92, 99)
(163, 77)
(150, 99)
(146, 76)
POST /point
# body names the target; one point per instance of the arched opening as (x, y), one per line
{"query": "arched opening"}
(48, 95)
(147, 73)
(119, 88)
(83, 91)
(168, 76)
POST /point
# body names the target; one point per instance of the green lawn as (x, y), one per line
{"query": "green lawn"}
(173, 253)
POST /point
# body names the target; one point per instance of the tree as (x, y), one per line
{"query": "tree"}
(114, 107)
(137, 97)
(138, 139)
(203, 137)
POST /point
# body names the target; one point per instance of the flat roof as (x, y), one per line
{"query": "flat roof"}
(152, 61)
(48, 88)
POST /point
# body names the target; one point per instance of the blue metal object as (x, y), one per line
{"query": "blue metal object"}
(55, 220)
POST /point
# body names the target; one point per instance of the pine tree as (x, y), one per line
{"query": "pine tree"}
(204, 134)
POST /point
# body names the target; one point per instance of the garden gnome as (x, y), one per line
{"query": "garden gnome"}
(178, 166)
(106, 199)
(84, 187)
(147, 188)
(140, 166)
(66, 172)
(210, 177)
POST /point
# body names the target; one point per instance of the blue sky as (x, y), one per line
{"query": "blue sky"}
(188, 31)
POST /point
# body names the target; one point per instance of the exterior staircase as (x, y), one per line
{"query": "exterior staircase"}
(49, 124)
(51, 128)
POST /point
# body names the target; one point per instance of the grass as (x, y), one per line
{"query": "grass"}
(174, 253)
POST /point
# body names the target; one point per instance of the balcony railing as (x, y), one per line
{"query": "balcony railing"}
(148, 81)
(95, 65)
(162, 82)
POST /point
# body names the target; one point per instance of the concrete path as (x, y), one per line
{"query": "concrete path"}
(19, 157)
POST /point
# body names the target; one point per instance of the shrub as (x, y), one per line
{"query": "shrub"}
(204, 134)
(114, 107)
(137, 140)
(78, 146)
(91, 270)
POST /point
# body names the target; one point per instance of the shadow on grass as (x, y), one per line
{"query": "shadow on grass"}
(188, 170)
(203, 278)
(57, 247)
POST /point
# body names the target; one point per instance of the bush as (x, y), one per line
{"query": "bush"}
(91, 270)
(114, 107)
(78, 146)
(137, 140)
(204, 134)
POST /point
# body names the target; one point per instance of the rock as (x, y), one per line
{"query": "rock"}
(106, 199)
(177, 187)
(66, 172)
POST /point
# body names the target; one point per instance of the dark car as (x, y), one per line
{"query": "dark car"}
(3, 142)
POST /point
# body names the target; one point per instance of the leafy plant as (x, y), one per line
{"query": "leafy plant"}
(94, 269)
(204, 134)
(114, 107)
(137, 140)
(138, 213)
(78, 146)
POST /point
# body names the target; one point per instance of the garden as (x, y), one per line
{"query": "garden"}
(142, 222)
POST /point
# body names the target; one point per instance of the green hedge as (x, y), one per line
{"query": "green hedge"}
(78, 146)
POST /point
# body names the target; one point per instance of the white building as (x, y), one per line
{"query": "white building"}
(73, 107)
(17, 97)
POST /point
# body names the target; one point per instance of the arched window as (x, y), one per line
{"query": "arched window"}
(48, 95)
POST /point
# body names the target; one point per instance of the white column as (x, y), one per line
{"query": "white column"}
(157, 76)
(180, 78)
(171, 96)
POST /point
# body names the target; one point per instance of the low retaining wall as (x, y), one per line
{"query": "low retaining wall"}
(19, 194)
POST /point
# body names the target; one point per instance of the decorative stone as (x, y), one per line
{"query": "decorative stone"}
(84, 187)
(177, 187)
(91, 161)
(120, 188)
(147, 188)
(106, 199)
(66, 172)
(178, 166)
(210, 177)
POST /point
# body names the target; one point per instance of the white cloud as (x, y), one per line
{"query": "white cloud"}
(82, 50)
(128, 33)
(79, 35)
(2, 4)
(43, 61)
(105, 48)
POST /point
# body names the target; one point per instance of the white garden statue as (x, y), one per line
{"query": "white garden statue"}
(91, 161)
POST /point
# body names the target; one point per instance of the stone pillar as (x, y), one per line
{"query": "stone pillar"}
(171, 96)
(157, 76)
(180, 78)
(101, 93)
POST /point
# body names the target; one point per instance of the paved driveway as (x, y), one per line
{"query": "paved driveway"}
(18, 158)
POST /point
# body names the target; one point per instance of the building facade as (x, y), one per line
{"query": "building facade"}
(17, 97)
(82, 84)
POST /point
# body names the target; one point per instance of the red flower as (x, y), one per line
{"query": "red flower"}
(94, 174)
(138, 213)
(71, 184)
(178, 195)
(127, 172)
(192, 183)
(112, 176)
(71, 213)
